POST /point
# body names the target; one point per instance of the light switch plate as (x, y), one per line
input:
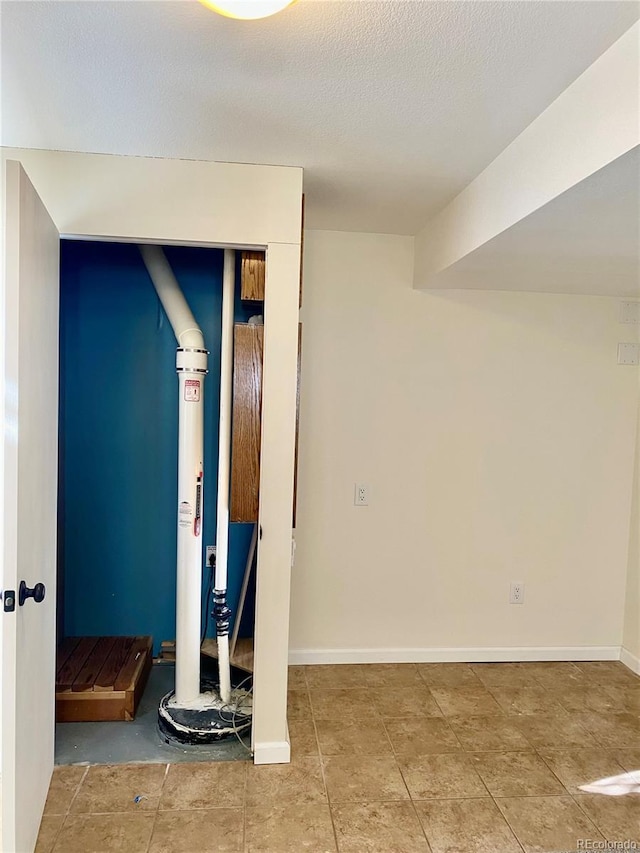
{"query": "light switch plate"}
(629, 312)
(628, 353)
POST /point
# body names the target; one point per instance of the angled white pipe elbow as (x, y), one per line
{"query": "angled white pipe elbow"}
(182, 321)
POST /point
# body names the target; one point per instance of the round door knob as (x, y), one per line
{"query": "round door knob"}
(37, 593)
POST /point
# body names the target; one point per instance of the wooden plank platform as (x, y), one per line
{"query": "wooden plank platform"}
(101, 678)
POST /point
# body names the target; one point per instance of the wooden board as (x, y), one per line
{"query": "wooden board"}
(252, 276)
(101, 678)
(86, 678)
(106, 678)
(242, 658)
(69, 670)
(247, 410)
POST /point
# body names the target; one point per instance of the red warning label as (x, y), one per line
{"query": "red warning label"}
(192, 390)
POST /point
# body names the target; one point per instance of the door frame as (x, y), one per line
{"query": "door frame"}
(139, 199)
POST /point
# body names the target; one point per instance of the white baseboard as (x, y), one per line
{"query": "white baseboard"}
(272, 752)
(455, 655)
(630, 660)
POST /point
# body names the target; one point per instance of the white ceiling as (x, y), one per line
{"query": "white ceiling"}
(585, 241)
(391, 107)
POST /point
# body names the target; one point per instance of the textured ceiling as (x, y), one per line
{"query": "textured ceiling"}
(586, 240)
(391, 107)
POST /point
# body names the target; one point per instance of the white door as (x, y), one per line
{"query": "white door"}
(29, 335)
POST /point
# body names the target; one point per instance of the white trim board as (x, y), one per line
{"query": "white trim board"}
(630, 660)
(272, 752)
(459, 655)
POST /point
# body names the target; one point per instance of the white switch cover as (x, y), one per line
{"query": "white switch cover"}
(629, 312)
(361, 495)
(628, 353)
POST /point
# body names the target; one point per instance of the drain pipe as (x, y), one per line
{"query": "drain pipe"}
(221, 611)
(191, 366)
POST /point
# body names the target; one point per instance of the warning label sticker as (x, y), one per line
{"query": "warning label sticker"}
(192, 390)
(185, 514)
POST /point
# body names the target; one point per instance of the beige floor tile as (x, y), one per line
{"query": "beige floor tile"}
(365, 737)
(466, 826)
(554, 730)
(50, 826)
(465, 701)
(625, 698)
(357, 779)
(448, 675)
(504, 674)
(205, 785)
(591, 698)
(105, 833)
(62, 789)
(561, 676)
(577, 767)
(516, 774)
(302, 734)
(273, 784)
(421, 736)
(628, 758)
(201, 831)
(613, 731)
(297, 678)
(441, 777)
(547, 824)
(617, 818)
(332, 676)
(378, 828)
(609, 672)
(114, 787)
(391, 674)
(341, 702)
(293, 829)
(298, 705)
(540, 669)
(526, 700)
(405, 702)
(481, 734)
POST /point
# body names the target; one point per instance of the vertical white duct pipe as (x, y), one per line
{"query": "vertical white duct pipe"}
(221, 610)
(191, 366)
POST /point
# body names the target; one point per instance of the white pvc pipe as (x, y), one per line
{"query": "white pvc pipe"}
(191, 365)
(224, 458)
(182, 321)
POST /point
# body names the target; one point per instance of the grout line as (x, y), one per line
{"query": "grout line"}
(68, 811)
(157, 808)
(511, 829)
(324, 778)
(244, 807)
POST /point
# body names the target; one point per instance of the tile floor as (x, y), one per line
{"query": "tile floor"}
(436, 758)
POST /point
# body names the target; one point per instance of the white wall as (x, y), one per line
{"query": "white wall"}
(631, 639)
(497, 434)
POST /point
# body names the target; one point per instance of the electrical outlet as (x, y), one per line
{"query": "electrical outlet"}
(361, 495)
(516, 593)
(211, 552)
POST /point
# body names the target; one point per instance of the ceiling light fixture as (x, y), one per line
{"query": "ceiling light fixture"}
(247, 10)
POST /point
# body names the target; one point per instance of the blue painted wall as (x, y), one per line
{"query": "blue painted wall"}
(119, 437)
